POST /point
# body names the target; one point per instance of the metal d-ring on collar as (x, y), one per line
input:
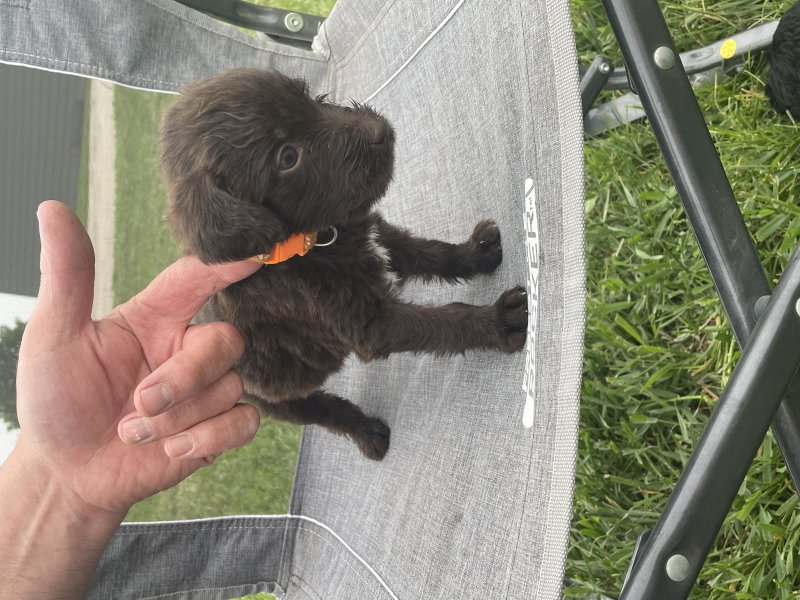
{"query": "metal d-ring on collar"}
(333, 239)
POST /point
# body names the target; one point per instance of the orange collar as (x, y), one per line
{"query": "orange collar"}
(296, 244)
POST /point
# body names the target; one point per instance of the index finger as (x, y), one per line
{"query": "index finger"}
(180, 290)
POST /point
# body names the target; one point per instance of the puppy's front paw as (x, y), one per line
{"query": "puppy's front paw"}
(485, 247)
(512, 319)
(372, 437)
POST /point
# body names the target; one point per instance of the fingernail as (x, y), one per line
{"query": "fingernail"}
(155, 399)
(179, 446)
(136, 430)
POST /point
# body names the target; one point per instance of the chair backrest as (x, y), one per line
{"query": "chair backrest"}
(484, 98)
(474, 497)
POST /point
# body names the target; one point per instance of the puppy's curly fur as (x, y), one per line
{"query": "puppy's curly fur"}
(250, 158)
(783, 83)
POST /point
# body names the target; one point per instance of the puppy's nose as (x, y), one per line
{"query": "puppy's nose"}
(377, 132)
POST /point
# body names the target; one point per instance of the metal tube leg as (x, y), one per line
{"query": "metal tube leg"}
(678, 545)
(593, 80)
(691, 156)
(671, 557)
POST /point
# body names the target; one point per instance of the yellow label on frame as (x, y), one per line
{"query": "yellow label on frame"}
(728, 49)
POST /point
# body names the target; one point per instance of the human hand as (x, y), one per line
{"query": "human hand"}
(84, 386)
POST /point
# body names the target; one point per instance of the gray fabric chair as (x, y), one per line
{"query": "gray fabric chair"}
(474, 498)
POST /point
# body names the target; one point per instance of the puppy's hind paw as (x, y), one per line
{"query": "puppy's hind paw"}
(487, 252)
(512, 319)
(372, 437)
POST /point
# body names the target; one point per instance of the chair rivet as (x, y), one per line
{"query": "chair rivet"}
(677, 567)
(605, 68)
(797, 306)
(293, 22)
(761, 306)
(664, 57)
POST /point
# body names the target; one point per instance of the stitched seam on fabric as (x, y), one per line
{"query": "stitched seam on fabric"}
(296, 499)
(366, 34)
(89, 68)
(299, 520)
(566, 127)
(419, 49)
(347, 558)
(125, 81)
(283, 560)
(158, 529)
(294, 505)
(342, 544)
(204, 589)
(304, 586)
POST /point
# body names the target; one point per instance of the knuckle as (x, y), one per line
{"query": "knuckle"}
(233, 386)
(236, 428)
(188, 374)
(230, 337)
(252, 421)
(244, 424)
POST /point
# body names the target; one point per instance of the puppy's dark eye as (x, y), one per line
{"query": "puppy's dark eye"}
(288, 158)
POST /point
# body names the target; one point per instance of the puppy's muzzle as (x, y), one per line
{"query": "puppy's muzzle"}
(377, 132)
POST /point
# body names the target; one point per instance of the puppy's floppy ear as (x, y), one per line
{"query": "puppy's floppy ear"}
(216, 227)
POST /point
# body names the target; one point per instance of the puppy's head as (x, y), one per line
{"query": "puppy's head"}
(250, 158)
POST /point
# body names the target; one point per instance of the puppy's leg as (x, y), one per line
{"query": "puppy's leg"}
(449, 329)
(417, 257)
(338, 416)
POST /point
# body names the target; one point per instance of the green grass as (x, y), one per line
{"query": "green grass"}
(658, 348)
(143, 244)
(255, 479)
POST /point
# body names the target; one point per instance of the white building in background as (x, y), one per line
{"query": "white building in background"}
(13, 307)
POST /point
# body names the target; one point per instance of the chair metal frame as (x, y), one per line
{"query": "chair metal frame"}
(284, 26)
(704, 66)
(763, 389)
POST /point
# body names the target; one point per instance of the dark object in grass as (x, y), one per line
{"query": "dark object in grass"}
(783, 83)
(251, 159)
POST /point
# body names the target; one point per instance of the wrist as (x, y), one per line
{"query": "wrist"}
(52, 486)
(59, 538)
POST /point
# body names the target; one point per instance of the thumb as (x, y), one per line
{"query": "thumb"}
(64, 305)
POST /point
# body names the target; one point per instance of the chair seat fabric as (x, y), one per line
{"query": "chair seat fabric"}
(474, 498)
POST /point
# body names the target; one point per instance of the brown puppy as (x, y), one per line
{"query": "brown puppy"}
(251, 159)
